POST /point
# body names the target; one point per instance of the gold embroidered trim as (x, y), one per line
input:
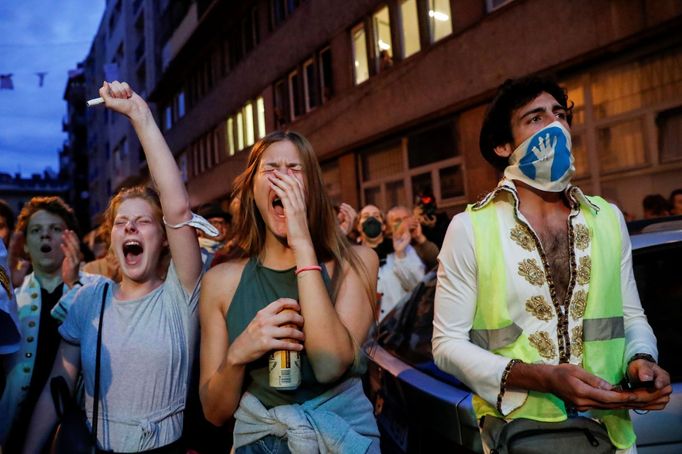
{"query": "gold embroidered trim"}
(531, 271)
(578, 304)
(538, 306)
(543, 344)
(582, 237)
(521, 236)
(4, 281)
(584, 270)
(577, 341)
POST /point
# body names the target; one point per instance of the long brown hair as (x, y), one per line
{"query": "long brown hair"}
(328, 241)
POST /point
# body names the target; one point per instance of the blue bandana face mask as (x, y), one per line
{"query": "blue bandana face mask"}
(544, 160)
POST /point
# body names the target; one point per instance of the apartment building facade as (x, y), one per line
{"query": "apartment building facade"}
(124, 48)
(391, 93)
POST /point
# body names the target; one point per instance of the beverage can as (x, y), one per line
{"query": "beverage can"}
(285, 369)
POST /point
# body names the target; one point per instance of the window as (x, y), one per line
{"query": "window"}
(440, 24)
(656, 271)
(669, 125)
(240, 131)
(248, 124)
(382, 39)
(326, 80)
(250, 31)
(230, 136)
(281, 9)
(409, 27)
(168, 118)
(217, 155)
(310, 85)
(621, 146)
(181, 104)
(431, 145)
(281, 104)
(260, 107)
(494, 4)
(360, 54)
(295, 98)
(641, 83)
(307, 86)
(426, 161)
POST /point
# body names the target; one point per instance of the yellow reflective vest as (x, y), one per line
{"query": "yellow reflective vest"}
(603, 326)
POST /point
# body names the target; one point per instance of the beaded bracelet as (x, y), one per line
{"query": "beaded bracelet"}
(503, 382)
(308, 268)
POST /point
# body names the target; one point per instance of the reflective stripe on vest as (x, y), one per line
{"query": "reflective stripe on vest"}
(603, 328)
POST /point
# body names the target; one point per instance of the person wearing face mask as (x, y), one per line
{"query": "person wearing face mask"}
(371, 232)
(536, 307)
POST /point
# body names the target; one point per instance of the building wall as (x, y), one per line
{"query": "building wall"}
(448, 81)
(126, 38)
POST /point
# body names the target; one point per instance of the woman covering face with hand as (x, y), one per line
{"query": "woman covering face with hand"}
(149, 324)
(302, 287)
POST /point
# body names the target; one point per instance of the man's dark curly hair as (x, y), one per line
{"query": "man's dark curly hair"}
(511, 95)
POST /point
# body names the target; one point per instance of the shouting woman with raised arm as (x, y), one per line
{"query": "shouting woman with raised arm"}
(149, 323)
(302, 288)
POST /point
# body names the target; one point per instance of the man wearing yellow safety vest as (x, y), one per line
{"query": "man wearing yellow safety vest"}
(536, 308)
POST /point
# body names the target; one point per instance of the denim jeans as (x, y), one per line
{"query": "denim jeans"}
(266, 445)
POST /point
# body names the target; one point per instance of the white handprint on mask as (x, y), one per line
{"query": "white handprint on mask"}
(544, 151)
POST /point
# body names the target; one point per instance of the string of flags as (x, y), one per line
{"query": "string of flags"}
(111, 72)
(6, 82)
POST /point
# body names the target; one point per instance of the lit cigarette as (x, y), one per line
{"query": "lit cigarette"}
(95, 101)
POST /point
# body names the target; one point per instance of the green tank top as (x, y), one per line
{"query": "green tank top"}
(258, 287)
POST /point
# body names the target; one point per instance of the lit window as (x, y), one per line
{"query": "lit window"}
(410, 27)
(360, 54)
(230, 136)
(382, 39)
(240, 131)
(440, 23)
(248, 123)
(621, 145)
(260, 107)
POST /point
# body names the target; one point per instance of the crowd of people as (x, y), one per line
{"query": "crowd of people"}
(193, 304)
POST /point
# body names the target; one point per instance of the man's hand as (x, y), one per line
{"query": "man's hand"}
(400, 242)
(584, 390)
(347, 216)
(657, 397)
(72, 257)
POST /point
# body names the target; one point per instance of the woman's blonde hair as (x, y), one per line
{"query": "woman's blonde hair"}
(328, 241)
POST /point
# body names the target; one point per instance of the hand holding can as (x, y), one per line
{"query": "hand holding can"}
(285, 366)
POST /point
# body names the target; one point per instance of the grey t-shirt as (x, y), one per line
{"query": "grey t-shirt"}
(147, 349)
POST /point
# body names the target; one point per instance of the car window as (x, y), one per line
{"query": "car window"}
(657, 272)
(406, 331)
